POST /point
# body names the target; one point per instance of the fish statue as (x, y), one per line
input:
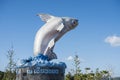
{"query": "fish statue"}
(53, 29)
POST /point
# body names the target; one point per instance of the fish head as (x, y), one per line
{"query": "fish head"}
(70, 23)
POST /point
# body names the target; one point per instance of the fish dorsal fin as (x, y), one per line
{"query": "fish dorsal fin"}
(45, 17)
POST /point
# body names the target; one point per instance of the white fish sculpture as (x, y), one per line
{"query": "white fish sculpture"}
(51, 32)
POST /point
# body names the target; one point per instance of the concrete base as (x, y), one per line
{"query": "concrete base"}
(40, 73)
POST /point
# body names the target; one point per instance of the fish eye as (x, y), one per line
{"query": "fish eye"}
(74, 22)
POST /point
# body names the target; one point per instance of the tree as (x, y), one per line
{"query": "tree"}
(75, 71)
(1, 75)
(105, 74)
(69, 76)
(77, 64)
(87, 70)
(89, 75)
(77, 68)
(99, 75)
(10, 73)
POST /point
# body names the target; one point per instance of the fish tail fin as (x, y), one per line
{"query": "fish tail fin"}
(51, 56)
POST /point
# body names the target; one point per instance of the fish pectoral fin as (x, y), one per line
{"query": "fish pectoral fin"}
(60, 27)
(52, 55)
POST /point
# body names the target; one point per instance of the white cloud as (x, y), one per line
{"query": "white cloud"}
(70, 58)
(113, 40)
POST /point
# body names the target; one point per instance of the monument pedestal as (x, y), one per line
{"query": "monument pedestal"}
(40, 73)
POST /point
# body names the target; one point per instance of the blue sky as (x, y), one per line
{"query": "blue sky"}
(96, 39)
